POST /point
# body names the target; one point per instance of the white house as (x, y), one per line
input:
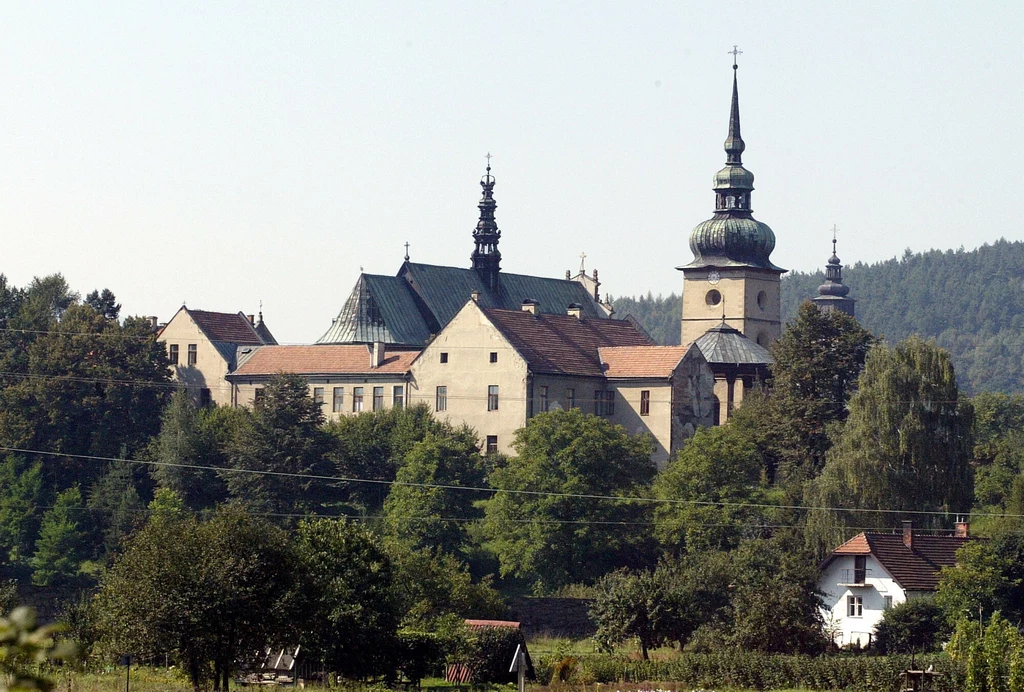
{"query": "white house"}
(872, 572)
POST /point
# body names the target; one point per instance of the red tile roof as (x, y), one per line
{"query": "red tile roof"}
(561, 344)
(915, 569)
(226, 326)
(322, 359)
(641, 361)
(493, 623)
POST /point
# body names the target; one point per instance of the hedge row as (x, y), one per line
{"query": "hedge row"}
(752, 670)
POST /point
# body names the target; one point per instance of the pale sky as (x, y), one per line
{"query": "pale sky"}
(231, 152)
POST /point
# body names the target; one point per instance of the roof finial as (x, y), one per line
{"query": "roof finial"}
(407, 251)
(834, 231)
(261, 311)
(734, 52)
(488, 175)
(583, 259)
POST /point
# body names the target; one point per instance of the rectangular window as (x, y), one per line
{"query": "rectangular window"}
(886, 602)
(860, 571)
(645, 402)
(258, 395)
(192, 354)
(357, 399)
(172, 353)
(318, 396)
(492, 444)
(543, 398)
(599, 403)
(398, 396)
(441, 399)
(492, 397)
(609, 403)
(378, 398)
(494, 356)
(854, 606)
(444, 357)
(570, 398)
(339, 400)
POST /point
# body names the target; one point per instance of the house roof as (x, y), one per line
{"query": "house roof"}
(423, 298)
(226, 326)
(642, 361)
(562, 344)
(728, 346)
(914, 569)
(322, 359)
(510, 624)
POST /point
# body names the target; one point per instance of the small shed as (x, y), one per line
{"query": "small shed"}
(495, 646)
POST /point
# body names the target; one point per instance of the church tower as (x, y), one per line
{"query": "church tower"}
(833, 295)
(731, 277)
(486, 258)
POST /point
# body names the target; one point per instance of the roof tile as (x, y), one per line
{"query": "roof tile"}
(322, 359)
(641, 361)
(915, 569)
(226, 326)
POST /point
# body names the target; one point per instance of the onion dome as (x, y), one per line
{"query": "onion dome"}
(733, 237)
(833, 285)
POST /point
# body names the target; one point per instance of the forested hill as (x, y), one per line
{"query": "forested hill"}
(970, 301)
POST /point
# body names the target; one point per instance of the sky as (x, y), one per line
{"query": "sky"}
(231, 153)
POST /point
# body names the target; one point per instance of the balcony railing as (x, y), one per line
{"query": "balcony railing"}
(854, 577)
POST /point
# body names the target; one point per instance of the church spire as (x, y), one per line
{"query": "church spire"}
(833, 295)
(486, 257)
(734, 145)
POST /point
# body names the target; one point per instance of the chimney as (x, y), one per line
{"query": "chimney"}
(961, 530)
(530, 306)
(475, 295)
(153, 324)
(377, 355)
(908, 534)
(252, 319)
(575, 310)
(568, 275)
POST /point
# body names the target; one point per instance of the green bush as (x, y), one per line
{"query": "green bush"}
(754, 670)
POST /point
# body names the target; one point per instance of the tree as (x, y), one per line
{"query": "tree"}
(775, 606)
(209, 591)
(915, 626)
(351, 614)
(24, 645)
(630, 604)
(61, 543)
(437, 517)
(549, 521)
(115, 506)
(20, 492)
(698, 588)
(818, 359)
(906, 445)
(104, 303)
(981, 581)
(283, 441)
(705, 488)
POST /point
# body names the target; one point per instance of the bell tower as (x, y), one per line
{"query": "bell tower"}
(731, 277)
(486, 258)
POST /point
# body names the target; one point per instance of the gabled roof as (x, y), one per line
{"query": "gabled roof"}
(642, 361)
(562, 344)
(226, 326)
(321, 359)
(914, 569)
(728, 346)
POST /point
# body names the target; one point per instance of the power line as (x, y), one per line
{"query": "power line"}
(496, 491)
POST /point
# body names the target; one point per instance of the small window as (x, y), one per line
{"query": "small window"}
(258, 395)
(886, 602)
(645, 402)
(494, 356)
(339, 400)
(599, 403)
(441, 399)
(570, 398)
(762, 300)
(492, 445)
(318, 396)
(378, 398)
(172, 353)
(543, 398)
(609, 403)
(854, 606)
(398, 396)
(192, 355)
(444, 356)
(205, 398)
(357, 399)
(492, 397)
(713, 297)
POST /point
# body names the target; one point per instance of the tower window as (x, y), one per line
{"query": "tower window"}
(713, 297)
(762, 299)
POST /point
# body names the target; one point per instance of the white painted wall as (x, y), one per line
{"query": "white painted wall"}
(877, 585)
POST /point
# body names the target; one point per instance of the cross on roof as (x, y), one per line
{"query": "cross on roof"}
(407, 251)
(734, 52)
(488, 157)
(583, 258)
(834, 231)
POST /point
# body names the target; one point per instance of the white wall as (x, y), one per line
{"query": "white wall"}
(877, 585)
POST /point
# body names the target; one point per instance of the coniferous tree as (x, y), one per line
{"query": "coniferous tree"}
(20, 490)
(61, 543)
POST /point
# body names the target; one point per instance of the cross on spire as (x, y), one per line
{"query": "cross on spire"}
(488, 157)
(407, 251)
(734, 53)
(834, 231)
(583, 258)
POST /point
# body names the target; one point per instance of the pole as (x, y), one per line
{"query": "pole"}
(128, 674)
